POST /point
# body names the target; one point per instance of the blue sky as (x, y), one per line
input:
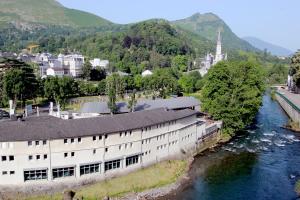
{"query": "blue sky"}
(275, 21)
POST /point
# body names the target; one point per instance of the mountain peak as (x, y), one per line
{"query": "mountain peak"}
(46, 12)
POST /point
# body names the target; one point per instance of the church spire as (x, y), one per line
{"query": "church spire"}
(219, 47)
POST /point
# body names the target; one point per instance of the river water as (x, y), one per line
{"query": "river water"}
(262, 163)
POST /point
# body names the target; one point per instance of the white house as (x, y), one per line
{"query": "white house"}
(146, 73)
(97, 62)
(73, 63)
(59, 72)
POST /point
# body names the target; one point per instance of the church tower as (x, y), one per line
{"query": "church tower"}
(219, 55)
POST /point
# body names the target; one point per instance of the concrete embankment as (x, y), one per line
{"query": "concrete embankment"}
(289, 102)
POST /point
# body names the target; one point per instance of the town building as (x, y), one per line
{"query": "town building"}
(210, 59)
(47, 149)
(97, 62)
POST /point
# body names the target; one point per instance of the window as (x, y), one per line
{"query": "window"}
(132, 160)
(11, 158)
(100, 137)
(66, 141)
(112, 165)
(65, 155)
(72, 140)
(89, 169)
(30, 157)
(94, 151)
(45, 156)
(106, 149)
(106, 136)
(29, 143)
(44, 142)
(72, 154)
(4, 172)
(79, 140)
(63, 172)
(3, 158)
(94, 138)
(37, 143)
(121, 134)
(38, 157)
(35, 175)
(120, 147)
(12, 172)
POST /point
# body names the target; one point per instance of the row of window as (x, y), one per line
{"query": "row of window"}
(160, 137)
(69, 154)
(173, 142)
(146, 141)
(126, 133)
(37, 143)
(7, 158)
(186, 137)
(8, 172)
(129, 145)
(146, 153)
(42, 174)
(72, 140)
(99, 137)
(38, 157)
(161, 147)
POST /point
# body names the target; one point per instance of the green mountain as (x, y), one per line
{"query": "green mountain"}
(207, 26)
(25, 13)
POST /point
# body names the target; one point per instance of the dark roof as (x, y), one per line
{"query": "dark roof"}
(171, 103)
(47, 127)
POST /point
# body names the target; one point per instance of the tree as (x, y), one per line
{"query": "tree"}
(87, 70)
(180, 62)
(233, 93)
(187, 83)
(295, 68)
(132, 102)
(162, 83)
(97, 74)
(60, 89)
(115, 87)
(19, 82)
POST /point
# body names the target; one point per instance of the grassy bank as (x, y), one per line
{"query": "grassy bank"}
(297, 187)
(153, 177)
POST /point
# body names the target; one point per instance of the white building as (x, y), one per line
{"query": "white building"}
(146, 73)
(46, 149)
(59, 72)
(73, 63)
(210, 59)
(97, 62)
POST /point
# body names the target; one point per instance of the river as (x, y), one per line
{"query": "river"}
(262, 163)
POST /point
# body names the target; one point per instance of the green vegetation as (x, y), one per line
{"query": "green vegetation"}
(153, 177)
(233, 93)
(295, 68)
(297, 187)
(207, 25)
(115, 87)
(47, 12)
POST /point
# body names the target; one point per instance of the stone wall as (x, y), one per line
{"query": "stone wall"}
(291, 109)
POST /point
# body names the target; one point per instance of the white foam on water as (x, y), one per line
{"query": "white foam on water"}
(296, 140)
(255, 141)
(279, 143)
(265, 140)
(251, 131)
(268, 134)
(250, 150)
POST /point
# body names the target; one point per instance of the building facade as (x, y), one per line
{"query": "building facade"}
(47, 149)
(211, 59)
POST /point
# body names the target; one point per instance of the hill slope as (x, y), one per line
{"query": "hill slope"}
(207, 25)
(274, 49)
(46, 12)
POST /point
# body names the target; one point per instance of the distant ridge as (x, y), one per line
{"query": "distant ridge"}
(47, 12)
(207, 25)
(272, 48)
